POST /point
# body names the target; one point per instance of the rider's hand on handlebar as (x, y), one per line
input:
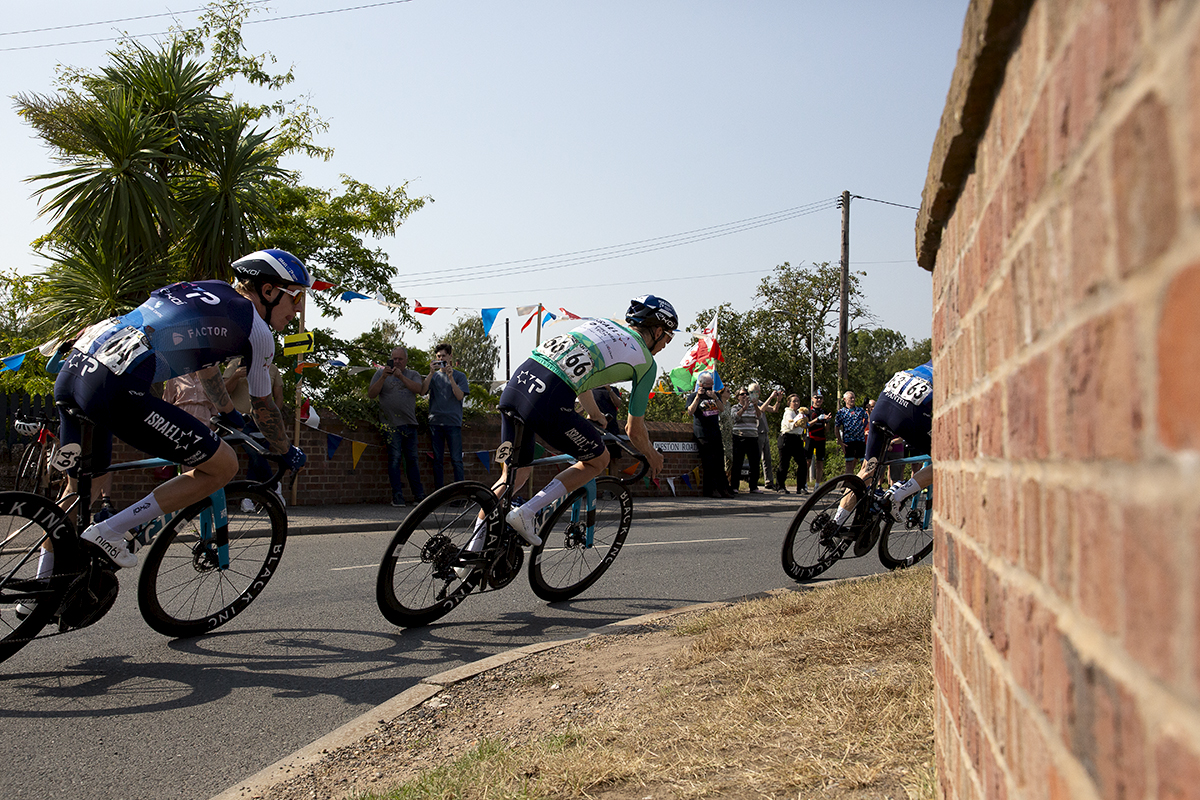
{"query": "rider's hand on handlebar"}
(294, 458)
(233, 419)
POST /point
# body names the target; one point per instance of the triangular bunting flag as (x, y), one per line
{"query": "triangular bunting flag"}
(427, 310)
(489, 319)
(348, 296)
(356, 449)
(525, 310)
(12, 362)
(486, 458)
(686, 481)
(671, 483)
(321, 286)
(332, 440)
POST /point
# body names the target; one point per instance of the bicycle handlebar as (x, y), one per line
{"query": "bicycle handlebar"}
(239, 436)
(624, 443)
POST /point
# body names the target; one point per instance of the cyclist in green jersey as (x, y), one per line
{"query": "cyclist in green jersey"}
(544, 389)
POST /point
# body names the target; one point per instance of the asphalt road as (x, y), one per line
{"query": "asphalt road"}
(117, 711)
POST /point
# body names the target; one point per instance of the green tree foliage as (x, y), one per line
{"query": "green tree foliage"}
(165, 176)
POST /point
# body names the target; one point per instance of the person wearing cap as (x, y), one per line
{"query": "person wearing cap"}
(191, 326)
(816, 420)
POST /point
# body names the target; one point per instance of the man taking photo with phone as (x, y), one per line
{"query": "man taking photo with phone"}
(397, 388)
(446, 387)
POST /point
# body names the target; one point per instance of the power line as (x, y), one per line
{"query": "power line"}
(164, 33)
(885, 202)
(595, 255)
(113, 21)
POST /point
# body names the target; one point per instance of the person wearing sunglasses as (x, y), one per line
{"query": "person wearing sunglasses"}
(182, 328)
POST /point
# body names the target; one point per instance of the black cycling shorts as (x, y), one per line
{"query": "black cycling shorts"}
(124, 405)
(547, 404)
(854, 450)
(911, 423)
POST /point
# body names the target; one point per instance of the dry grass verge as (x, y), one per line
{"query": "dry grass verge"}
(826, 693)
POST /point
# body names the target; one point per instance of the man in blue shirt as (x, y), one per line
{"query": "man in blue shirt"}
(446, 387)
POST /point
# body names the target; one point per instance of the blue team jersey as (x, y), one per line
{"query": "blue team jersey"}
(180, 329)
(912, 387)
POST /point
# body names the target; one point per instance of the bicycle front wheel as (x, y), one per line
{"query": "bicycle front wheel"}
(578, 543)
(28, 601)
(909, 539)
(814, 542)
(423, 576)
(191, 583)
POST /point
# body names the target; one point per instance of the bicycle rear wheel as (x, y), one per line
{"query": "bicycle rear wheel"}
(28, 603)
(565, 563)
(910, 539)
(183, 589)
(419, 578)
(814, 542)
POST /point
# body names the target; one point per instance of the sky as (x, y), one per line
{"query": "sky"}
(578, 154)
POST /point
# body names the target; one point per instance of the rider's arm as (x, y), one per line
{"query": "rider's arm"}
(270, 423)
(593, 412)
(635, 427)
(214, 387)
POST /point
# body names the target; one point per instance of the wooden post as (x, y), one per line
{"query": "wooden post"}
(844, 315)
(299, 402)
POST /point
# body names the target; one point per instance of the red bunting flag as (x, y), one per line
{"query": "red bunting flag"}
(321, 286)
(420, 309)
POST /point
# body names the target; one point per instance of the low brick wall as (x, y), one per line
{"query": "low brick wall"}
(339, 479)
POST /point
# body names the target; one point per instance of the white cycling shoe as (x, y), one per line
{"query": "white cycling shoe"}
(113, 547)
(523, 526)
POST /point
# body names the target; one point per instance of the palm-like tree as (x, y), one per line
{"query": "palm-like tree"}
(162, 179)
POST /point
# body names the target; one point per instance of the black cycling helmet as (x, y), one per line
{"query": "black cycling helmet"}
(277, 267)
(652, 312)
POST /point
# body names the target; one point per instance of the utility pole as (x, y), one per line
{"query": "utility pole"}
(507, 352)
(844, 315)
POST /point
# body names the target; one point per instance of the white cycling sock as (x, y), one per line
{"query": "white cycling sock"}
(480, 533)
(554, 491)
(45, 564)
(840, 515)
(902, 491)
(133, 515)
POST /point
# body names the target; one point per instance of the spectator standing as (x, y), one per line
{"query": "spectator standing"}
(851, 427)
(446, 387)
(791, 447)
(764, 431)
(396, 387)
(705, 405)
(816, 421)
(745, 439)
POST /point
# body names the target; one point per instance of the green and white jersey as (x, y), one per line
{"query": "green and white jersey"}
(600, 352)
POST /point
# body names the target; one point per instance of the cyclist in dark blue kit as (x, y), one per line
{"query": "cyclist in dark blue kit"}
(182, 328)
(904, 409)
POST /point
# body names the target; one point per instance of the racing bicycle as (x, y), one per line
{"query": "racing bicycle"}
(205, 564)
(33, 471)
(814, 542)
(428, 569)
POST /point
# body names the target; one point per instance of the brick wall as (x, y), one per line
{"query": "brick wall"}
(340, 480)
(1061, 219)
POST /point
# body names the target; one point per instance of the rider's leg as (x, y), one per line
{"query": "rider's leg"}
(179, 492)
(902, 490)
(565, 482)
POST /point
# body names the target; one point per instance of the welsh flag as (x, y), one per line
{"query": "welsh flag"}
(704, 355)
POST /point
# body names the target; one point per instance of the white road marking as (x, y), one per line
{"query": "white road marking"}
(627, 544)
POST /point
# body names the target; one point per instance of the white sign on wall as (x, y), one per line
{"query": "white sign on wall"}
(676, 447)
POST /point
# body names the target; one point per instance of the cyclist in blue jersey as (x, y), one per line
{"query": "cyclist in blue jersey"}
(904, 409)
(182, 328)
(565, 368)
